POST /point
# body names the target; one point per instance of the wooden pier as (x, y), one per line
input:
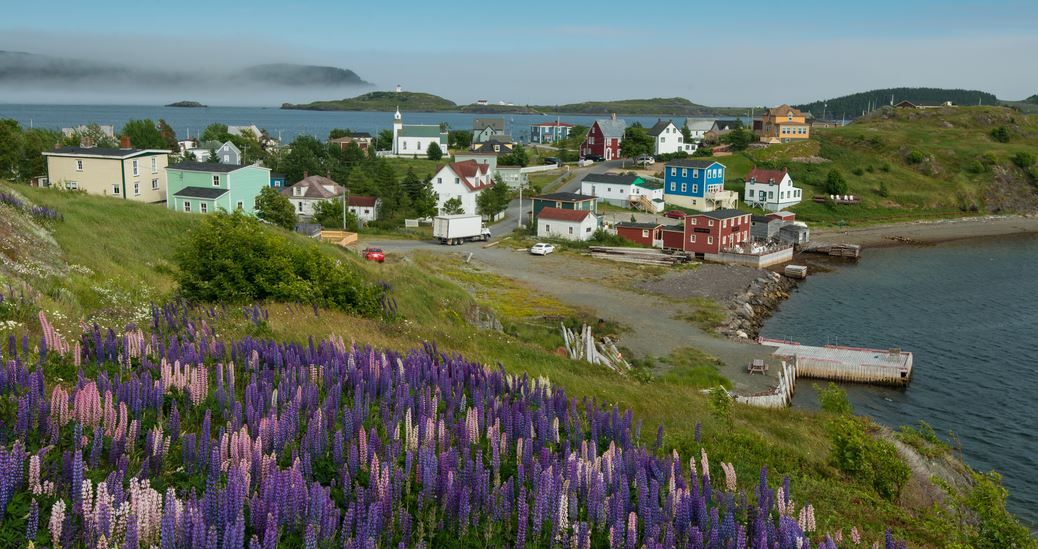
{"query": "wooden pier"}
(841, 363)
(834, 250)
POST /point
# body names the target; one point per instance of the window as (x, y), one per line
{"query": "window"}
(694, 220)
(115, 189)
(724, 223)
(674, 171)
(299, 205)
(439, 180)
(749, 193)
(79, 165)
(241, 205)
(547, 228)
(187, 206)
(203, 207)
(645, 233)
(216, 181)
(571, 230)
(695, 189)
(154, 165)
(405, 145)
(663, 140)
(154, 184)
(673, 186)
(457, 181)
(72, 185)
(710, 223)
(136, 168)
(709, 240)
(692, 238)
(684, 172)
(136, 188)
(226, 159)
(684, 187)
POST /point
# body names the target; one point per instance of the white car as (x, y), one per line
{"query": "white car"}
(542, 248)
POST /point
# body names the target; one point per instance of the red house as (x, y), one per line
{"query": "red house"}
(708, 232)
(783, 216)
(604, 138)
(646, 234)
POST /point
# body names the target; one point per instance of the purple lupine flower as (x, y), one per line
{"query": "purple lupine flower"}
(33, 523)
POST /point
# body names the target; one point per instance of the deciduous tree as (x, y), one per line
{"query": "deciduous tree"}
(273, 207)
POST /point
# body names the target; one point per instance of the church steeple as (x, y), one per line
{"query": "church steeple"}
(397, 115)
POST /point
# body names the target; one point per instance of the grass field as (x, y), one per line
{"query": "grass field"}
(129, 246)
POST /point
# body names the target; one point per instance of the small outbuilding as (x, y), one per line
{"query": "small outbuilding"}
(566, 224)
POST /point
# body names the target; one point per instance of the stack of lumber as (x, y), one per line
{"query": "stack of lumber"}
(583, 346)
(642, 256)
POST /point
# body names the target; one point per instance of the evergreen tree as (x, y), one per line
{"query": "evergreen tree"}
(835, 183)
(394, 200)
(434, 152)
(423, 202)
(169, 136)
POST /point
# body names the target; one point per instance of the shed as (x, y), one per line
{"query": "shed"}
(566, 224)
(763, 227)
(791, 233)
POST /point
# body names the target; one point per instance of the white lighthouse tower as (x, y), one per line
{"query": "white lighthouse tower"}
(398, 125)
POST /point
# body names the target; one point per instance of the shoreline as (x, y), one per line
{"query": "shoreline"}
(931, 232)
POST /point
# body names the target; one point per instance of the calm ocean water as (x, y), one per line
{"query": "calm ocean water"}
(969, 313)
(284, 123)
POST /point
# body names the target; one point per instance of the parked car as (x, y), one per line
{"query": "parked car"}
(552, 160)
(374, 254)
(542, 248)
(594, 157)
(674, 214)
(646, 160)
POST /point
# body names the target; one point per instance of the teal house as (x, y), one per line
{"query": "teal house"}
(563, 201)
(203, 187)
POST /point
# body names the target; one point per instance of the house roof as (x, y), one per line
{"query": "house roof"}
(559, 214)
(632, 225)
(614, 179)
(699, 124)
(724, 125)
(498, 124)
(553, 123)
(362, 201)
(315, 187)
(468, 170)
(692, 163)
(760, 175)
(658, 127)
(206, 193)
(351, 138)
(678, 228)
(97, 152)
(783, 110)
(421, 130)
(565, 197)
(651, 184)
(763, 219)
(612, 127)
(721, 214)
(210, 167)
(487, 147)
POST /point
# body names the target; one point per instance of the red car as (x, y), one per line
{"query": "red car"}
(674, 214)
(374, 254)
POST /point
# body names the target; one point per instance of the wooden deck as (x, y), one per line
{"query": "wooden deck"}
(841, 363)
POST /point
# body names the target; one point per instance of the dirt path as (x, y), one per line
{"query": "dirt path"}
(930, 232)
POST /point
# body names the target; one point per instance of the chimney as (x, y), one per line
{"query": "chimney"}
(306, 173)
(124, 142)
(613, 116)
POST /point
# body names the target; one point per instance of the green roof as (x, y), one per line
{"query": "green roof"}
(425, 130)
(653, 185)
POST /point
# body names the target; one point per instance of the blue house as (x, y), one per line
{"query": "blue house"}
(278, 180)
(697, 184)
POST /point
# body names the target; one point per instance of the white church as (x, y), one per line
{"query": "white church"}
(414, 139)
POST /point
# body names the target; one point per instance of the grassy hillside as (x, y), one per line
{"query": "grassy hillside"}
(677, 106)
(852, 106)
(910, 164)
(381, 101)
(109, 260)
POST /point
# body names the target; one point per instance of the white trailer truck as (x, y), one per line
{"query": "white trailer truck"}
(457, 229)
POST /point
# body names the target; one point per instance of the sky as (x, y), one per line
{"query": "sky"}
(740, 53)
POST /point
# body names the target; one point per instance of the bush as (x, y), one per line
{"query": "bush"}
(233, 258)
(871, 461)
(883, 190)
(915, 157)
(835, 183)
(975, 166)
(274, 208)
(885, 167)
(858, 171)
(1023, 160)
(434, 152)
(721, 404)
(1000, 134)
(834, 400)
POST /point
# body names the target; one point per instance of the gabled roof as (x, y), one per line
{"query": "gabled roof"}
(355, 136)
(692, 163)
(764, 219)
(612, 127)
(565, 197)
(553, 123)
(613, 179)
(497, 124)
(97, 152)
(209, 167)
(699, 124)
(652, 184)
(315, 186)
(421, 130)
(720, 214)
(468, 171)
(725, 125)
(363, 201)
(760, 175)
(559, 214)
(783, 110)
(658, 127)
(205, 193)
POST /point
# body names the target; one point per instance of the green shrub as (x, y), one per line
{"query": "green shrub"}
(834, 400)
(869, 460)
(883, 190)
(721, 404)
(885, 167)
(1000, 134)
(835, 183)
(915, 157)
(233, 258)
(976, 166)
(858, 171)
(1023, 160)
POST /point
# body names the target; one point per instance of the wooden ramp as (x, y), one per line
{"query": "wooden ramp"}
(642, 256)
(342, 238)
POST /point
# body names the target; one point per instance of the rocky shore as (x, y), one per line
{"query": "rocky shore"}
(748, 310)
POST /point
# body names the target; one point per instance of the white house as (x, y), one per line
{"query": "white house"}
(667, 139)
(364, 207)
(414, 139)
(566, 224)
(772, 190)
(312, 189)
(464, 180)
(625, 191)
(697, 127)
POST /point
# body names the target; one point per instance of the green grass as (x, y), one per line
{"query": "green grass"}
(423, 167)
(129, 245)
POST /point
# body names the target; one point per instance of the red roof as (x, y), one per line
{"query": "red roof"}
(559, 214)
(470, 169)
(363, 201)
(773, 177)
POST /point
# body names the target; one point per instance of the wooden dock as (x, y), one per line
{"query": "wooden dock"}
(835, 250)
(841, 363)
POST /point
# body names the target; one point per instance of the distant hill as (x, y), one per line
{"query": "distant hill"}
(381, 101)
(187, 104)
(852, 106)
(1033, 99)
(287, 74)
(424, 102)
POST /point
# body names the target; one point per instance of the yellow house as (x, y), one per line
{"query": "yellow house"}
(127, 173)
(783, 124)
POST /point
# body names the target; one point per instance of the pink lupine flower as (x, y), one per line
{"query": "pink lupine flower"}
(57, 520)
